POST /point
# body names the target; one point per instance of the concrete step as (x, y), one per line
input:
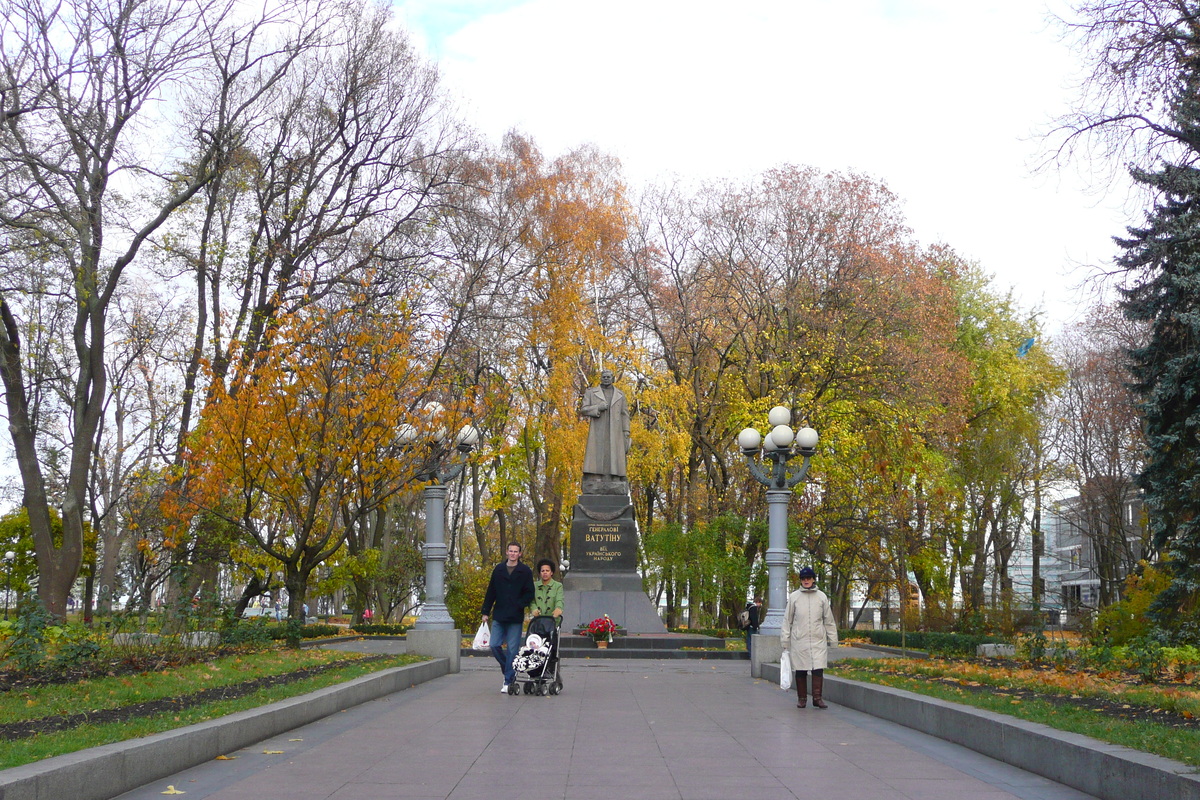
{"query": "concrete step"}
(633, 652)
(643, 645)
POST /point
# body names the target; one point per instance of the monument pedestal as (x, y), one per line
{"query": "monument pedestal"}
(603, 577)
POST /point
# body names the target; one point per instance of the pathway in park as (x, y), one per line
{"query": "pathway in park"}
(632, 729)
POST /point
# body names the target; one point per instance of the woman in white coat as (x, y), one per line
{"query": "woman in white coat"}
(809, 630)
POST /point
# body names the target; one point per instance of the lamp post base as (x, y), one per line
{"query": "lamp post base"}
(434, 617)
(763, 650)
(437, 644)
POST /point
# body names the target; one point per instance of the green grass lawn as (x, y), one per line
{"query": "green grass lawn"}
(115, 692)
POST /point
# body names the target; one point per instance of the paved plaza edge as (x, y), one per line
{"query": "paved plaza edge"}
(1108, 771)
(100, 773)
(1098, 768)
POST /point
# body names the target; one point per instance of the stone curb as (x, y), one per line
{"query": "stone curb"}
(1108, 771)
(110, 770)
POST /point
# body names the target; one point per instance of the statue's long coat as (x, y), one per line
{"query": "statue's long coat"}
(608, 435)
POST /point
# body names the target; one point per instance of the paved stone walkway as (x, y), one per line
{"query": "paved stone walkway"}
(631, 729)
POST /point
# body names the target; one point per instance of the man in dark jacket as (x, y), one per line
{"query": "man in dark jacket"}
(754, 612)
(509, 593)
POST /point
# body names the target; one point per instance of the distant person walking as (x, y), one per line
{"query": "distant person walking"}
(509, 593)
(753, 619)
(808, 631)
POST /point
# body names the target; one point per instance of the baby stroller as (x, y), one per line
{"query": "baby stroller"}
(536, 662)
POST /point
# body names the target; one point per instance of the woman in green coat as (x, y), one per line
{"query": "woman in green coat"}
(547, 593)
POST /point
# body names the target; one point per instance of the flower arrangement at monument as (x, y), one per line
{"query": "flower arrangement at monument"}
(601, 629)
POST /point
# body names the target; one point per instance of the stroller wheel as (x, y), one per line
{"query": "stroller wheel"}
(553, 689)
(529, 688)
(541, 689)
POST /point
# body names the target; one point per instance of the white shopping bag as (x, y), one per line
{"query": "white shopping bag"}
(785, 670)
(483, 637)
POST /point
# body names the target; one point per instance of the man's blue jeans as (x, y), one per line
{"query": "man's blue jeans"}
(749, 632)
(506, 633)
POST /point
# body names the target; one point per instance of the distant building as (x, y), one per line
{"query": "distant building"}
(1091, 549)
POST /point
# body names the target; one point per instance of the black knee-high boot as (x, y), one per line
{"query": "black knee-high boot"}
(818, 687)
(801, 680)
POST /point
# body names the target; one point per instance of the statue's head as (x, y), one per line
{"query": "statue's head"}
(606, 377)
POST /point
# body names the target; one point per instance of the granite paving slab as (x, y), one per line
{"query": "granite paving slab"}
(634, 729)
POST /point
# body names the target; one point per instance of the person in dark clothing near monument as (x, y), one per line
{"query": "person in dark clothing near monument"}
(753, 619)
(509, 593)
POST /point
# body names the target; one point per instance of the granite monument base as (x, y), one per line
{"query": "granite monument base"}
(603, 577)
(589, 595)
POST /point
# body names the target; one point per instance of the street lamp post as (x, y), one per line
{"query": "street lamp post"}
(9, 558)
(778, 448)
(438, 470)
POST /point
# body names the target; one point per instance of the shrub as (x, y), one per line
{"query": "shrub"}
(1099, 654)
(75, 645)
(254, 632)
(465, 587)
(719, 633)
(944, 643)
(1184, 659)
(1128, 619)
(27, 642)
(33, 641)
(1033, 647)
(1147, 658)
(317, 631)
(371, 629)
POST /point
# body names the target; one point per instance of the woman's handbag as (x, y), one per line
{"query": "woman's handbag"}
(785, 670)
(483, 637)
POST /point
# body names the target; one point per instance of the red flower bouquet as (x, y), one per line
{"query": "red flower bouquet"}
(602, 629)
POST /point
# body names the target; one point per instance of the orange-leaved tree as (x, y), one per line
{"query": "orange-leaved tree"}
(572, 219)
(306, 442)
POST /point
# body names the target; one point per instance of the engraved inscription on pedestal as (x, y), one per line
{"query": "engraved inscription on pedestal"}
(603, 546)
(599, 538)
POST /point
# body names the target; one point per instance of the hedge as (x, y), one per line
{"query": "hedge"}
(962, 644)
(369, 629)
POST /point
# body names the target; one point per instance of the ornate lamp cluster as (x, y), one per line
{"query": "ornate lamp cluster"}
(777, 448)
(437, 438)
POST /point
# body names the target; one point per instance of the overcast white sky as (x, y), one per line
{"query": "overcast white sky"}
(942, 100)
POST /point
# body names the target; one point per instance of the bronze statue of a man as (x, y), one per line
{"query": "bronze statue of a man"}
(608, 437)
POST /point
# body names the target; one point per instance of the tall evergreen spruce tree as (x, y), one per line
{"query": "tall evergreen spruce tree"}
(1163, 258)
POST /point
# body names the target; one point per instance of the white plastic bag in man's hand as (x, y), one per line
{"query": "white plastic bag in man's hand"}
(785, 670)
(483, 637)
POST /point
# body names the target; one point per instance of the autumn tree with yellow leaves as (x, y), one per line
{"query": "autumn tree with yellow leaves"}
(307, 442)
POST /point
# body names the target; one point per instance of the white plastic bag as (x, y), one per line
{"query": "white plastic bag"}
(785, 670)
(483, 637)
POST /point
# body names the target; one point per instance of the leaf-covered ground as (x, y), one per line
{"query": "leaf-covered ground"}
(1112, 694)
